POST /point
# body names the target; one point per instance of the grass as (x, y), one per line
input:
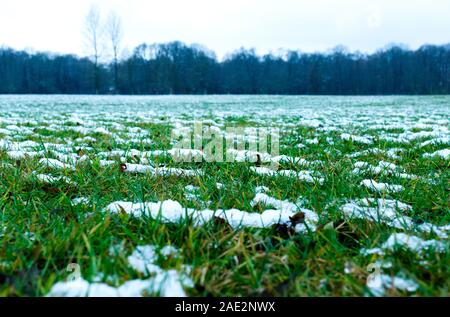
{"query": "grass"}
(41, 232)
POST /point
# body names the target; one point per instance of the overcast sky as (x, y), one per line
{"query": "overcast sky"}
(225, 25)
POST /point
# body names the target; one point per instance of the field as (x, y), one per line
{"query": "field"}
(97, 200)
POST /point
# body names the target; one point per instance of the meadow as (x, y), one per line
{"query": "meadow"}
(97, 200)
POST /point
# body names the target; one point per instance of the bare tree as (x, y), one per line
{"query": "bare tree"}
(115, 33)
(93, 36)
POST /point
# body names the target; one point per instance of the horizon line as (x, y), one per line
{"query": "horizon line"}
(272, 52)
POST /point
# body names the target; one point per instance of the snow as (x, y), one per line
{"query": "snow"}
(172, 212)
(389, 212)
(166, 283)
(49, 179)
(19, 155)
(161, 171)
(80, 201)
(382, 282)
(409, 242)
(357, 139)
(381, 187)
(302, 175)
(52, 163)
(444, 154)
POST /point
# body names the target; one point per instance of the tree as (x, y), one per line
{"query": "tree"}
(115, 33)
(93, 35)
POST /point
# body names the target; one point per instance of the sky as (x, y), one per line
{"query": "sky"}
(226, 25)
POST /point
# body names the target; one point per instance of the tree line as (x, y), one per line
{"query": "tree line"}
(177, 68)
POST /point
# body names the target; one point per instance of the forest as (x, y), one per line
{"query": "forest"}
(177, 68)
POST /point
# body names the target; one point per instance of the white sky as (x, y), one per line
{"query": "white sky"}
(225, 25)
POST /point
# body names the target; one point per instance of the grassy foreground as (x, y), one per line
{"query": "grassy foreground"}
(42, 231)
